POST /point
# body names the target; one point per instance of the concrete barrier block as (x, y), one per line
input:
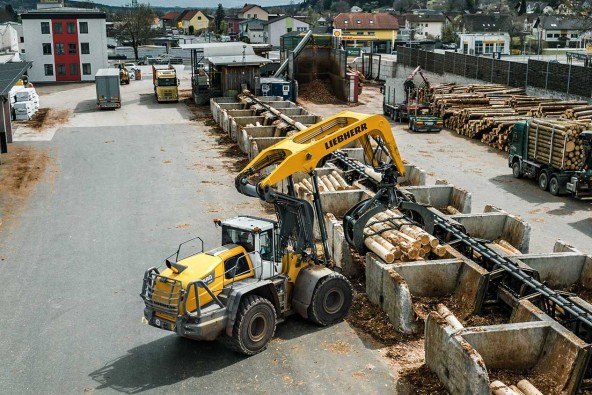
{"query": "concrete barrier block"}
(442, 196)
(343, 254)
(562, 246)
(509, 346)
(430, 278)
(398, 304)
(457, 364)
(375, 271)
(558, 270)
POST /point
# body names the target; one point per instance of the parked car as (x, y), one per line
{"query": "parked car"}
(449, 46)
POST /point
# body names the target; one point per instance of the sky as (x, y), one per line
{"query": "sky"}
(197, 4)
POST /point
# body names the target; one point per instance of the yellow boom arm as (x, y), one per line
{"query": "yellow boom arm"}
(305, 149)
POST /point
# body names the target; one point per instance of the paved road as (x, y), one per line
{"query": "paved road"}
(114, 201)
(484, 172)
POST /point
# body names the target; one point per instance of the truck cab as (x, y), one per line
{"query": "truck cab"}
(166, 84)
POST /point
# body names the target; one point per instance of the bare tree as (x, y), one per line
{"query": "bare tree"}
(135, 25)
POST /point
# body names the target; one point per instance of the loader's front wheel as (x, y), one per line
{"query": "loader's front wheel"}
(254, 326)
(331, 300)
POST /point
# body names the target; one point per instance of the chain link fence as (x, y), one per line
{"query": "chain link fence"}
(558, 77)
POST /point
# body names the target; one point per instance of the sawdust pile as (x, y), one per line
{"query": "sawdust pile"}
(46, 118)
(370, 319)
(318, 92)
(424, 381)
(492, 315)
(21, 170)
(512, 377)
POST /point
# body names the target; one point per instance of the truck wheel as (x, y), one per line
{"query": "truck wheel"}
(331, 300)
(254, 326)
(410, 126)
(554, 186)
(544, 180)
(516, 170)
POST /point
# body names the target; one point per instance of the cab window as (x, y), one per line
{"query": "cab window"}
(236, 266)
(266, 245)
(241, 237)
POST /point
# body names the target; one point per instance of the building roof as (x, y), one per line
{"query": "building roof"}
(269, 22)
(10, 73)
(64, 12)
(558, 23)
(365, 20)
(252, 23)
(187, 15)
(475, 23)
(238, 60)
(170, 16)
(248, 7)
(425, 17)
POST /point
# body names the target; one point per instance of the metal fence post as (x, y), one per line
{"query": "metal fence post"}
(454, 64)
(465, 70)
(476, 68)
(509, 64)
(547, 76)
(568, 78)
(526, 76)
(491, 74)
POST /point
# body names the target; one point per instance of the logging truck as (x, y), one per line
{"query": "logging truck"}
(557, 157)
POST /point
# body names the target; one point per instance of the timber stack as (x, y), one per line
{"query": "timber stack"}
(328, 183)
(394, 239)
(579, 112)
(557, 142)
(556, 108)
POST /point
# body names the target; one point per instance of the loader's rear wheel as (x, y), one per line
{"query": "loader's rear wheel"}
(331, 300)
(254, 326)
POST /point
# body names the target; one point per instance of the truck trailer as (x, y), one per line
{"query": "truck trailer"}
(166, 84)
(108, 91)
(544, 155)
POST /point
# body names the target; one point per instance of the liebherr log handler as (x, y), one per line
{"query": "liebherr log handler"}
(266, 270)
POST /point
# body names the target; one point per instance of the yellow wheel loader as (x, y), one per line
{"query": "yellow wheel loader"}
(264, 269)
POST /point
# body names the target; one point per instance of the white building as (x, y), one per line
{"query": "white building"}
(9, 43)
(425, 26)
(64, 44)
(275, 28)
(559, 31)
(484, 43)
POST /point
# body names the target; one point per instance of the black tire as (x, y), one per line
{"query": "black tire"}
(554, 186)
(331, 300)
(254, 326)
(410, 126)
(544, 180)
(516, 170)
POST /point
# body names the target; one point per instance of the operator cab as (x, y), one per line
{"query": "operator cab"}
(257, 237)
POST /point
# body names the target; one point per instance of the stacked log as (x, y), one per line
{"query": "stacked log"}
(474, 121)
(579, 112)
(556, 142)
(555, 108)
(390, 236)
(523, 104)
(328, 183)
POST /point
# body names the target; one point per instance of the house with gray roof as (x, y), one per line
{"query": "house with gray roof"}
(558, 31)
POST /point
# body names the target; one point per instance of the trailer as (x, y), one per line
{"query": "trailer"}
(542, 156)
(107, 87)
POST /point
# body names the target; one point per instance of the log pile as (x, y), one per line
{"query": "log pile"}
(555, 108)
(327, 183)
(558, 142)
(394, 239)
(579, 112)
(523, 104)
